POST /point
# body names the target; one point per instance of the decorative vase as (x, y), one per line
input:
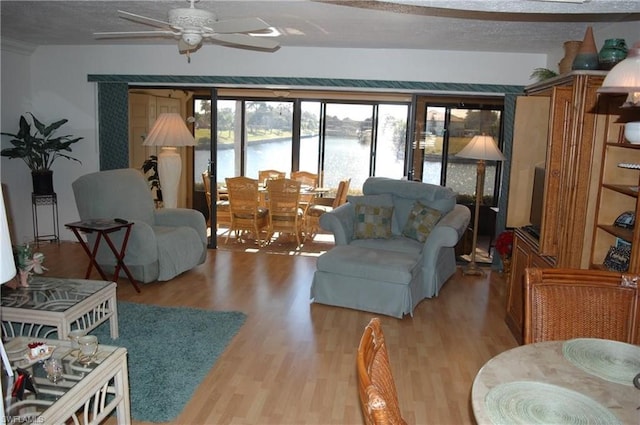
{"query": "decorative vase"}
(571, 49)
(613, 51)
(42, 182)
(587, 57)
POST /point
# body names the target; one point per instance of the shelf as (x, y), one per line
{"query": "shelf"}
(625, 145)
(626, 234)
(624, 189)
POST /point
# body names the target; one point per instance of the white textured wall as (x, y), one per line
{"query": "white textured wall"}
(52, 83)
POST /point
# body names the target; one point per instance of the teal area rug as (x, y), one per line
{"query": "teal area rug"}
(170, 351)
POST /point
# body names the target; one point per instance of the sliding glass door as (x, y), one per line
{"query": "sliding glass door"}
(336, 140)
(445, 130)
(268, 142)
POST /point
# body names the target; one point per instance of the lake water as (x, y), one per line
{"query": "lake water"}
(345, 158)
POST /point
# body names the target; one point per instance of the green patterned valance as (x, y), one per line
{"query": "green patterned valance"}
(206, 80)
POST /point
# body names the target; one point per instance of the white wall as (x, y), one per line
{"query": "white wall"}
(52, 83)
(16, 98)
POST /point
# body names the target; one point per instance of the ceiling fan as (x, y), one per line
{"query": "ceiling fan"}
(191, 26)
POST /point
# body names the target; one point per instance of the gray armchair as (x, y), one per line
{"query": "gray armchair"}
(163, 242)
(391, 273)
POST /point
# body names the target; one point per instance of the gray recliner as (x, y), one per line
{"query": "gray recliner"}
(163, 242)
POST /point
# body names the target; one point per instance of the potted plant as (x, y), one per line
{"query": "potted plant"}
(504, 246)
(39, 149)
(151, 165)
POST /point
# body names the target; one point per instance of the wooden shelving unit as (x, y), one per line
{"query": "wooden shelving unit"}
(618, 191)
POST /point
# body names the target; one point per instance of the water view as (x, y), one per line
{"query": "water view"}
(345, 158)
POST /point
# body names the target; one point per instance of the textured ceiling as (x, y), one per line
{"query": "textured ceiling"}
(531, 26)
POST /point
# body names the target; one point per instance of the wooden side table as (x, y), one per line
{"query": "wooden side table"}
(103, 227)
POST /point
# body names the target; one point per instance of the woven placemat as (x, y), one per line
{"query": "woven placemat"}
(529, 402)
(610, 360)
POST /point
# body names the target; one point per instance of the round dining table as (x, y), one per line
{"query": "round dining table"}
(583, 380)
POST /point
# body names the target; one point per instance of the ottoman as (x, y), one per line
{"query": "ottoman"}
(368, 279)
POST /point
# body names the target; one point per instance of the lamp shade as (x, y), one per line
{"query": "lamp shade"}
(625, 76)
(169, 130)
(7, 264)
(482, 147)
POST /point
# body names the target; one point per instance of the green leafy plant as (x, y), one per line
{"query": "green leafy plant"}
(541, 74)
(151, 165)
(39, 149)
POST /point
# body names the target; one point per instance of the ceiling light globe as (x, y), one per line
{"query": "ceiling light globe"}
(192, 39)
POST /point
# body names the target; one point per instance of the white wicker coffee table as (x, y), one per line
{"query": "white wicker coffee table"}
(85, 394)
(59, 305)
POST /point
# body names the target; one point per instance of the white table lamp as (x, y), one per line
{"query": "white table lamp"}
(7, 272)
(169, 132)
(483, 148)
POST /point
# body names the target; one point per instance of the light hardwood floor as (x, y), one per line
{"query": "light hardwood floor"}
(293, 362)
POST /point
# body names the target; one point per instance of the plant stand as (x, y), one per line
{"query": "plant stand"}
(38, 201)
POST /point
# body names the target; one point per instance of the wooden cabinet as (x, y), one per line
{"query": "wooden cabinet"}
(525, 254)
(563, 140)
(618, 186)
(560, 126)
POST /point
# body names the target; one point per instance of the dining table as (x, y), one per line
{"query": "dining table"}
(304, 190)
(262, 191)
(581, 380)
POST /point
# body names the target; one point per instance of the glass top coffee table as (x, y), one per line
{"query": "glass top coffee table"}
(51, 304)
(84, 393)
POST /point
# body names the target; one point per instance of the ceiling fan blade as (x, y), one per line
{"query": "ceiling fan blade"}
(240, 25)
(146, 20)
(136, 34)
(246, 41)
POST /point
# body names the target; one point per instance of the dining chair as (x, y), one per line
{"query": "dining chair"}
(285, 214)
(246, 213)
(570, 303)
(376, 387)
(309, 181)
(223, 212)
(322, 205)
(265, 175)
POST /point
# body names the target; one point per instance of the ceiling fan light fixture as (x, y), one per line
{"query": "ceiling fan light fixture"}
(191, 38)
(193, 26)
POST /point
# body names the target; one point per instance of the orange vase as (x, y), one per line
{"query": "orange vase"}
(587, 57)
(571, 49)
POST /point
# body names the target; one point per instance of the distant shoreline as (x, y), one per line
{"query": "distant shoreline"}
(229, 145)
